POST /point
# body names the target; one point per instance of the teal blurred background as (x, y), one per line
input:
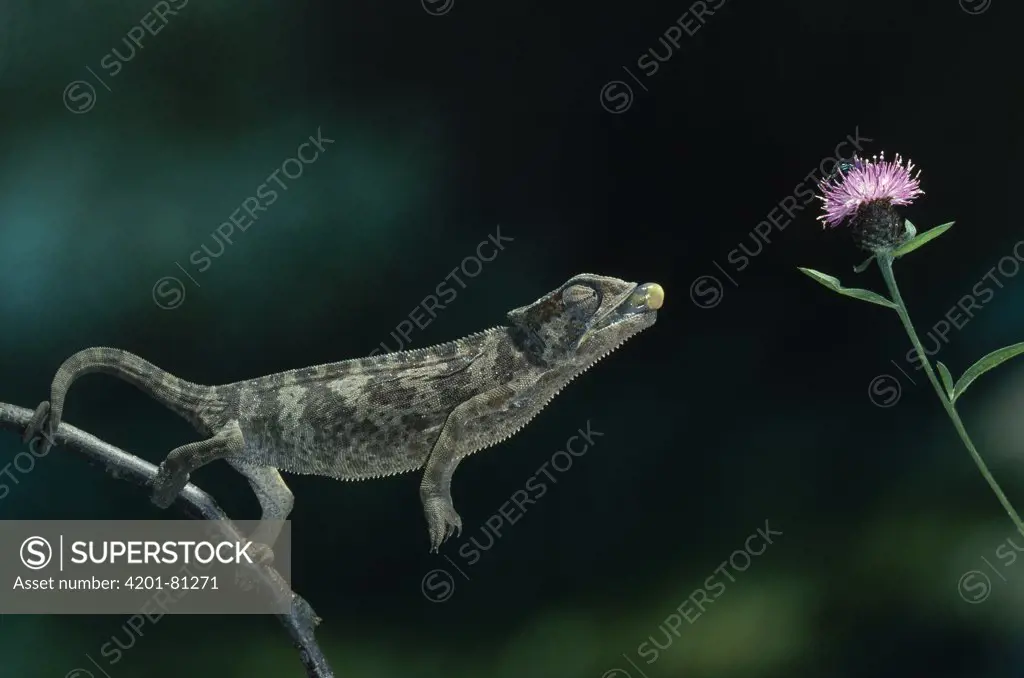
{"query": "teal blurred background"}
(448, 122)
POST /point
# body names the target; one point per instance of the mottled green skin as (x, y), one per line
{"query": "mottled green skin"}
(379, 416)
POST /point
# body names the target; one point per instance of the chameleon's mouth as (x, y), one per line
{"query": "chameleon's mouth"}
(646, 297)
(638, 307)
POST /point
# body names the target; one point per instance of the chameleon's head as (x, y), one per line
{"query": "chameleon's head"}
(584, 319)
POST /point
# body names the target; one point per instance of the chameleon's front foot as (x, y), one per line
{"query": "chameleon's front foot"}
(41, 425)
(169, 482)
(442, 520)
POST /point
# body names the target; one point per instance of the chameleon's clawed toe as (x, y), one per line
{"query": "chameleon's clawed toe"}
(168, 484)
(442, 521)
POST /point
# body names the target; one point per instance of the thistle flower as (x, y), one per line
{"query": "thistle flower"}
(866, 194)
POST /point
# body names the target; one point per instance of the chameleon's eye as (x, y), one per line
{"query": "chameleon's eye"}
(581, 301)
(576, 295)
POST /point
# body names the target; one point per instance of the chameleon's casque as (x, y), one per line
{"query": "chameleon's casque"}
(379, 416)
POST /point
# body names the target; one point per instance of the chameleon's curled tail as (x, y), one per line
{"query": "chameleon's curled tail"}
(180, 396)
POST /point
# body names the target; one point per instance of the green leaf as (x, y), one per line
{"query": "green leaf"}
(917, 241)
(993, 359)
(866, 295)
(833, 284)
(860, 268)
(825, 279)
(947, 378)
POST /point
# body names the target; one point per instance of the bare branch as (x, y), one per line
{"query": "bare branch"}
(299, 622)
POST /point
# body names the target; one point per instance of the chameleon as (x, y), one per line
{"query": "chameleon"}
(423, 409)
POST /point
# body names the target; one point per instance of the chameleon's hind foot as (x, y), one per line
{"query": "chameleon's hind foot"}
(442, 520)
(174, 471)
(169, 482)
(41, 427)
(260, 553)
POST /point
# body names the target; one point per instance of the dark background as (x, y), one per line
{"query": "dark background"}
(755, 407)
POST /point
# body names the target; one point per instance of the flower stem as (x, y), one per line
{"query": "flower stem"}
(885, 264)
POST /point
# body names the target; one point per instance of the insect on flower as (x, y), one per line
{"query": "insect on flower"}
(842, 167)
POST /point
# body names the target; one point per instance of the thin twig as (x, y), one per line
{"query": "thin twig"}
(299, 622)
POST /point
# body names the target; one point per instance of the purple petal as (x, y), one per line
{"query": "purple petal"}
(867, 181)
